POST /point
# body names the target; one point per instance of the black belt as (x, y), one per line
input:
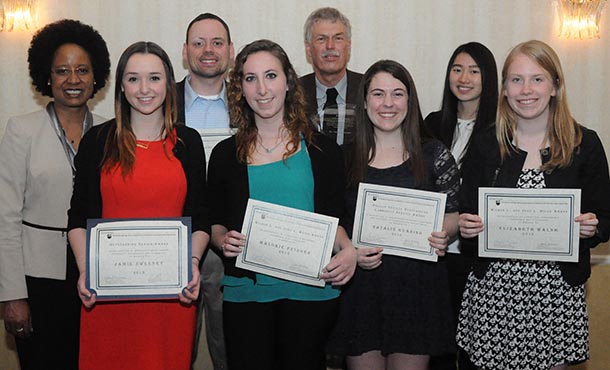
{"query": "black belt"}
(42, 227)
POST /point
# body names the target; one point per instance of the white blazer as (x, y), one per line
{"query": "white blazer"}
(35, 187)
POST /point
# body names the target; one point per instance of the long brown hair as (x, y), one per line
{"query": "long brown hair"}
(364, 147)
(242, 115)
(563, 132)
(120, 148)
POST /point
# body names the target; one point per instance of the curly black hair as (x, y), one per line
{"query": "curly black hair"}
(67, 31)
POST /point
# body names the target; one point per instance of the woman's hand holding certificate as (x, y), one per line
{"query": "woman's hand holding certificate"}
(588, 224)
(370, 258)
(233, 243)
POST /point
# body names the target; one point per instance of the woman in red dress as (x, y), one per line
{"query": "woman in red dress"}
(140, 165)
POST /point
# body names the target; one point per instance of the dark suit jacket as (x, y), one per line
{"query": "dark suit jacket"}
(309, 85)
(180, 101)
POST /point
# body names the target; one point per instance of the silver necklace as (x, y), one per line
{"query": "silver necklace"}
(269, 150)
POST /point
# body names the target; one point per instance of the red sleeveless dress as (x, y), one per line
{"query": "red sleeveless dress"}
(142, 335)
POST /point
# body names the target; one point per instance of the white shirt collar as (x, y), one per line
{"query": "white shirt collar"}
(341, 88)
(190, 95)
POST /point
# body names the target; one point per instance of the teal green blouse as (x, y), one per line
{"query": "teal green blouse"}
(289, 184)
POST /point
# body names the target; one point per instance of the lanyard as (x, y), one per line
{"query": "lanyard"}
(61, 134)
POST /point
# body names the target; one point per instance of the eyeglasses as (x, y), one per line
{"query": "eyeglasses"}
(65, 72)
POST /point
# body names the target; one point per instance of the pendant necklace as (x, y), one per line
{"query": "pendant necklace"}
(269, 150)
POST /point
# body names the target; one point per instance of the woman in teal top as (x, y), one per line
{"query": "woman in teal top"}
(289, 184)
(276, 156)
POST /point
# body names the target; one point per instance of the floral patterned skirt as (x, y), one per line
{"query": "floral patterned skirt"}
(523, 315)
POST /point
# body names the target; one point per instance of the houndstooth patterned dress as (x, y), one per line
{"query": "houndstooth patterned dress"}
(522, 315)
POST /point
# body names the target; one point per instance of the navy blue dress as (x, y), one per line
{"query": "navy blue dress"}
(403, 306)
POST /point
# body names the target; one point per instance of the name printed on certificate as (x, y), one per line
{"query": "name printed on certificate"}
(138, 258)
(287, 243)
(398, 219)
(530, 224)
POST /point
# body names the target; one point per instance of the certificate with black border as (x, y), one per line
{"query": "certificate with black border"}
(398, 219)
(530, 224)
(287, 243)
(138, 258)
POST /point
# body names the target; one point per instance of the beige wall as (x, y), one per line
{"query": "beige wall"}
(421, 34)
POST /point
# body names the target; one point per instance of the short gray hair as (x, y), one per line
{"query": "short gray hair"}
(326, 14)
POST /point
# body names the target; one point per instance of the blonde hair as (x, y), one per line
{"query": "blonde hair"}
(563, 132)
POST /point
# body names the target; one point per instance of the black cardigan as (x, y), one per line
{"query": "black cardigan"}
(588, 172)
(86, 199)
(229, 189)
(433, 126)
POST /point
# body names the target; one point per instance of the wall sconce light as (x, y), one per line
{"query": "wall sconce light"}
(580, 18)
(17, 15)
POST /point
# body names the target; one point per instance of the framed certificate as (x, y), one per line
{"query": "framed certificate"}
(532, 224)
(398, 219)
(287, 243)
(138, 258)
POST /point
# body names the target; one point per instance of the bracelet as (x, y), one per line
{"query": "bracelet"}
(197, 258)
